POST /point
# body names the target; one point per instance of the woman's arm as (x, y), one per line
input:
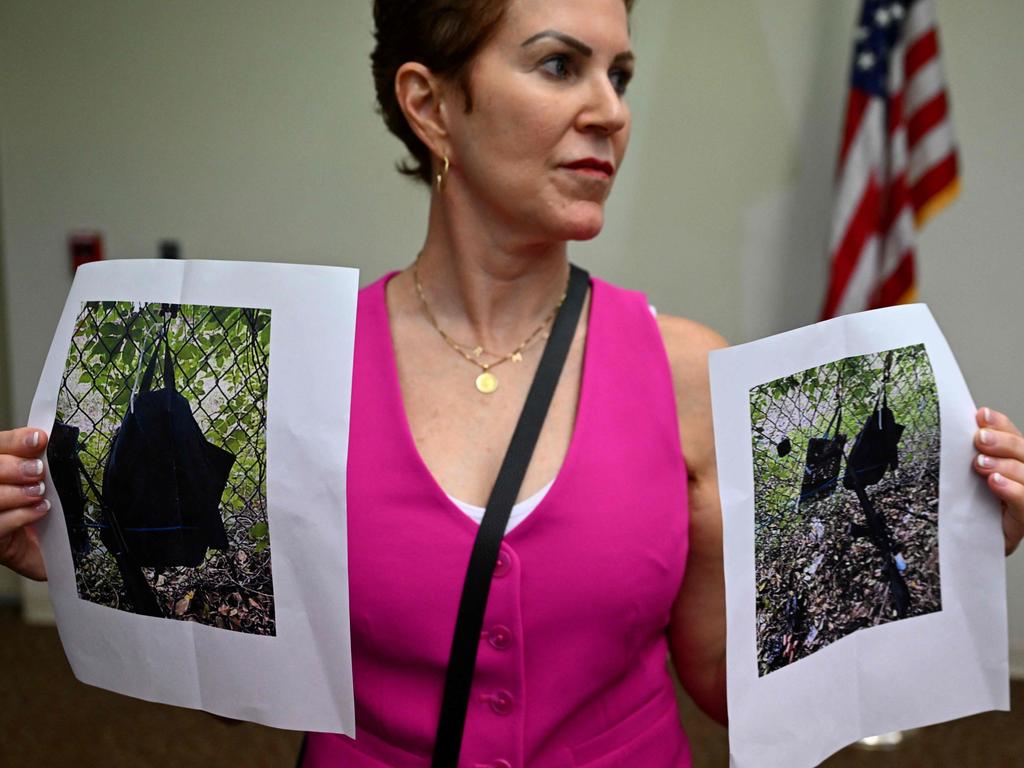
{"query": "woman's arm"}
(697, 628)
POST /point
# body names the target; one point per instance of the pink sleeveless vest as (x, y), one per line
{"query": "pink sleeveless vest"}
(571, 670)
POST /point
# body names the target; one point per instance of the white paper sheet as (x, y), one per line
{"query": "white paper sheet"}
(817, 654)
(289, 666)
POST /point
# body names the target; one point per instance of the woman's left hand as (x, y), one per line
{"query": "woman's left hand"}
(1000, 461)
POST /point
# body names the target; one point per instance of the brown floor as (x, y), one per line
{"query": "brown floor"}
(47, 718)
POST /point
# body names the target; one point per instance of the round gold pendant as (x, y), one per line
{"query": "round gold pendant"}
(486, 382)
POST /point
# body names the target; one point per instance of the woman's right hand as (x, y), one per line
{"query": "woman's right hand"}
(22, 486)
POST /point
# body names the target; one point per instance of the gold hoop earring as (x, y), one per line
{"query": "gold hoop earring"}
(442, 175)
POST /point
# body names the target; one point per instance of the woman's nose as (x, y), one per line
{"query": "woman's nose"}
(604, 111)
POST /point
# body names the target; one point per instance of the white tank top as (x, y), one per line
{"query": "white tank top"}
(519, 511)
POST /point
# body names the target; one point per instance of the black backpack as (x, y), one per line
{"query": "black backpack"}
(163, 480)
(876, 448)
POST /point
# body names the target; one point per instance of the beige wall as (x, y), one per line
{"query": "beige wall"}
(8, 581)
(246, 130)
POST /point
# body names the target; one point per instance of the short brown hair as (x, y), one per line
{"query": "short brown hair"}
(443, 35)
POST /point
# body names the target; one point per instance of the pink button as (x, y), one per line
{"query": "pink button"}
(501, 702)
(503, 564)
(499, 637)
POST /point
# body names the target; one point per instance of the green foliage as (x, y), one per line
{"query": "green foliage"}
(817, 581)
(260, 533)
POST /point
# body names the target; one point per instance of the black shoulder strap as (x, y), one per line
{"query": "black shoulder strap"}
(837, 417)
(147, 377)
(462, 659)
(885, 380)
(836, 421)
(168, 366)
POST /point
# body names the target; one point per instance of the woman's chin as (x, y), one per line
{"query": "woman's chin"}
(584, 224)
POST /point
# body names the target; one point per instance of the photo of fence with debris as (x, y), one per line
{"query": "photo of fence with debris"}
(846, 484)
(158, 456)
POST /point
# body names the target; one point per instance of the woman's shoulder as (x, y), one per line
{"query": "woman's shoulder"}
(687, 344)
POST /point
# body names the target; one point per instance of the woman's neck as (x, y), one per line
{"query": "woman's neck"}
(487, 286)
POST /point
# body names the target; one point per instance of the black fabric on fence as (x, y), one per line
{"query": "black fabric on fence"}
(824, 455)
(821, 470)
(163, 480)
(62, 456)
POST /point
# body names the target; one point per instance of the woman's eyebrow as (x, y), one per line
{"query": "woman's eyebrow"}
(573, 42)
(569, 40)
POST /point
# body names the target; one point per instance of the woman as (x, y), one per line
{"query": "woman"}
(514, 114)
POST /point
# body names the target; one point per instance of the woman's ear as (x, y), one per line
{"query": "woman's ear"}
(421, 96)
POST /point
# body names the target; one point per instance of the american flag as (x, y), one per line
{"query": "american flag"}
(897, 161)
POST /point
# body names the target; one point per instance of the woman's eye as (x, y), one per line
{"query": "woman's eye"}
(557, 66)
(620, 80)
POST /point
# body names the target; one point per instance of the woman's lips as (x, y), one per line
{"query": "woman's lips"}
(591, 166)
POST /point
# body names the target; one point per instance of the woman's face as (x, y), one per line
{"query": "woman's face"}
(549, 124)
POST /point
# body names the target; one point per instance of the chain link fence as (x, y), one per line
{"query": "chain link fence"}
(220, 364)
(832, 557)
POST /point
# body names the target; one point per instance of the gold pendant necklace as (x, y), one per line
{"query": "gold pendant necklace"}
(486, 382)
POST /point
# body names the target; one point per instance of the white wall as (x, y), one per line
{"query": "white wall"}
(246, 129)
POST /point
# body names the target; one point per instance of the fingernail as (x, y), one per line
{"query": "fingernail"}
(42, 506)
(32, 468)
(35, 490)
(32, 441)
(986, 414)
(985, 437)
(985, 461)
(998, 479)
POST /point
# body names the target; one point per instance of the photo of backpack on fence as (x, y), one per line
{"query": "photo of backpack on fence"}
(164, 487)
(831, 557)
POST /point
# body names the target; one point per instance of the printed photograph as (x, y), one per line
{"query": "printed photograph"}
(158, 455)
(846, 485)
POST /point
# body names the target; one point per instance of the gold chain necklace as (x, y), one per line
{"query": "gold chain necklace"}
(486, 381)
